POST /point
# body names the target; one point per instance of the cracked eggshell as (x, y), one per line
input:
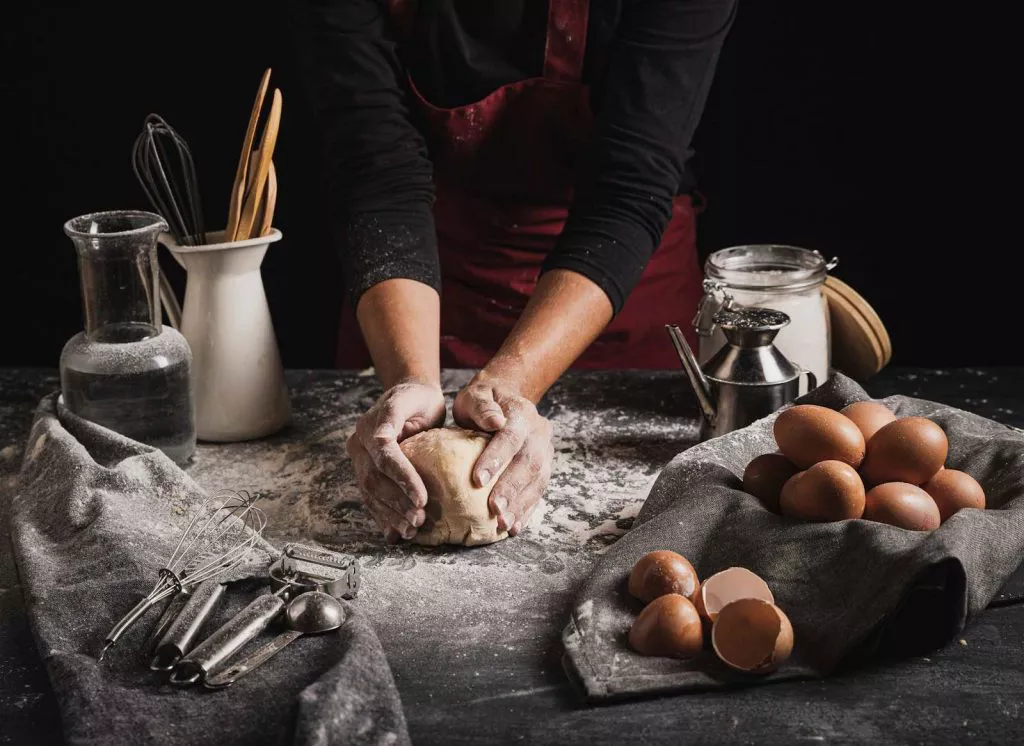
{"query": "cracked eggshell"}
(668, 626)
(660, 572)
(728, 586)
(752, 635)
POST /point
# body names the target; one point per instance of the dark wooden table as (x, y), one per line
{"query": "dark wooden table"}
(473, 636)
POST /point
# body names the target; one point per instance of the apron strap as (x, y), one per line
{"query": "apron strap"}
(566, 40)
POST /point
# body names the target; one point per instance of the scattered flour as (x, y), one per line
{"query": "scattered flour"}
(606, 459)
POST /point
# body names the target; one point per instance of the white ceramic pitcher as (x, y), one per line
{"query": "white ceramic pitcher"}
(238, 380)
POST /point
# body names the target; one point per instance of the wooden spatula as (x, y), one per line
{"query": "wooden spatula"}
(258, 178)
(269, 202)
(265, 212)
(238, 188)
(265, 215)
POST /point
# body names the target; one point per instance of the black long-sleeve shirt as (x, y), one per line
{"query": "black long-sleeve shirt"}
(649, 64)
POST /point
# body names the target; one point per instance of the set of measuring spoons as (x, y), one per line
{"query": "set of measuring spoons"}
(307, 583)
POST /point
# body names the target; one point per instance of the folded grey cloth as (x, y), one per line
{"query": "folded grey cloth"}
(94, 517)
(852, 589)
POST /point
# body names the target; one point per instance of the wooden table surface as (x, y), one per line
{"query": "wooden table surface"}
(473, 636)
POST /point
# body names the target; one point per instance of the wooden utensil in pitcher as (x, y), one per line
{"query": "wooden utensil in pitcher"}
(269, 202)
(238, 188)
(265, 215)
(258, 179)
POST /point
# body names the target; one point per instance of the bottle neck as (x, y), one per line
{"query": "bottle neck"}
(120, 292)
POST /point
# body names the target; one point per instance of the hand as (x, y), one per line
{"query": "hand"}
(522, 439)
(392, 490)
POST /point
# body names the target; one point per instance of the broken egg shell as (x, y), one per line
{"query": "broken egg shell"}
(911, 450)
(668, 626)
(753, 636)
(661, 572)
(869, 417)
(952, 490)
(807, 434)
(828, 491)
(903, 505)
(764, 476)
(727, 586)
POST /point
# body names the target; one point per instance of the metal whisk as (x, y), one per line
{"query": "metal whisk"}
(164, 167)
(217, 539)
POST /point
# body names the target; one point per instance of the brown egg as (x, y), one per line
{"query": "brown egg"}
(828, 491)
(869, 416)
(661, 572)
(909, 450)
(668, 626)
(903, 505)
(724, 587)
(807, 434)
(764, 477)
(952, 490)
(752, 635)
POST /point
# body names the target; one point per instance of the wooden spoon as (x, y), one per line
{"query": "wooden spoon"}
(258, 180)
(242, 172)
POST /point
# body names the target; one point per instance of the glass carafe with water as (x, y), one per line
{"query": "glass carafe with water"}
(126, 371)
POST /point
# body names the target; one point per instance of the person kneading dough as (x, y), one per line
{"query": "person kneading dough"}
(509, 192)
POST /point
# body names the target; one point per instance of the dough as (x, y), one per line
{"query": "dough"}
(457, 511)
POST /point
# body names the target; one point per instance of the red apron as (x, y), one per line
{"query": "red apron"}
(504, 172)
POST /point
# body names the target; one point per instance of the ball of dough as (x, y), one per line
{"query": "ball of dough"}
(457, 511)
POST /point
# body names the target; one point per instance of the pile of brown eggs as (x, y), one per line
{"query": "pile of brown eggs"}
(747, 630)
(862, 462)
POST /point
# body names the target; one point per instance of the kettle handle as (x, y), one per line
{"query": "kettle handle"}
(812, 380)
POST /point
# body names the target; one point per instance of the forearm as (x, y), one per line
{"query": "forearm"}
(565, 314)
(401, 320)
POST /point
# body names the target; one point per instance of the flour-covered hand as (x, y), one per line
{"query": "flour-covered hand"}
(522, 440)
(392, 490)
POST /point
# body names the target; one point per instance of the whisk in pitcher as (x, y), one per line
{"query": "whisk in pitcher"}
(218, 538)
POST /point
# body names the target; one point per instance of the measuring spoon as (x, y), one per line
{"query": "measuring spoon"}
(310, 613)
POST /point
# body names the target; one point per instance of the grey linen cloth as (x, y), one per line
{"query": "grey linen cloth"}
(852, 589)
(93, 519)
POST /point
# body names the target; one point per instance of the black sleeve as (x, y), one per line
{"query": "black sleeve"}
(660, 65)
(378, 175)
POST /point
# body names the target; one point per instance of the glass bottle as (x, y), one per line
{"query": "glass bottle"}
(126, 371)
(784, 278)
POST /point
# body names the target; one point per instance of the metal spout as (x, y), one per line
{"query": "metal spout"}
(698, 382)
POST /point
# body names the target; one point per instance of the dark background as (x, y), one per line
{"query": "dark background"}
(878, 132)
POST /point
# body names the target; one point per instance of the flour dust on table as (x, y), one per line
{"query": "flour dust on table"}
(606, 457)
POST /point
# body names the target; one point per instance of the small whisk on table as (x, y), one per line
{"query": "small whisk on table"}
(218, 538)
